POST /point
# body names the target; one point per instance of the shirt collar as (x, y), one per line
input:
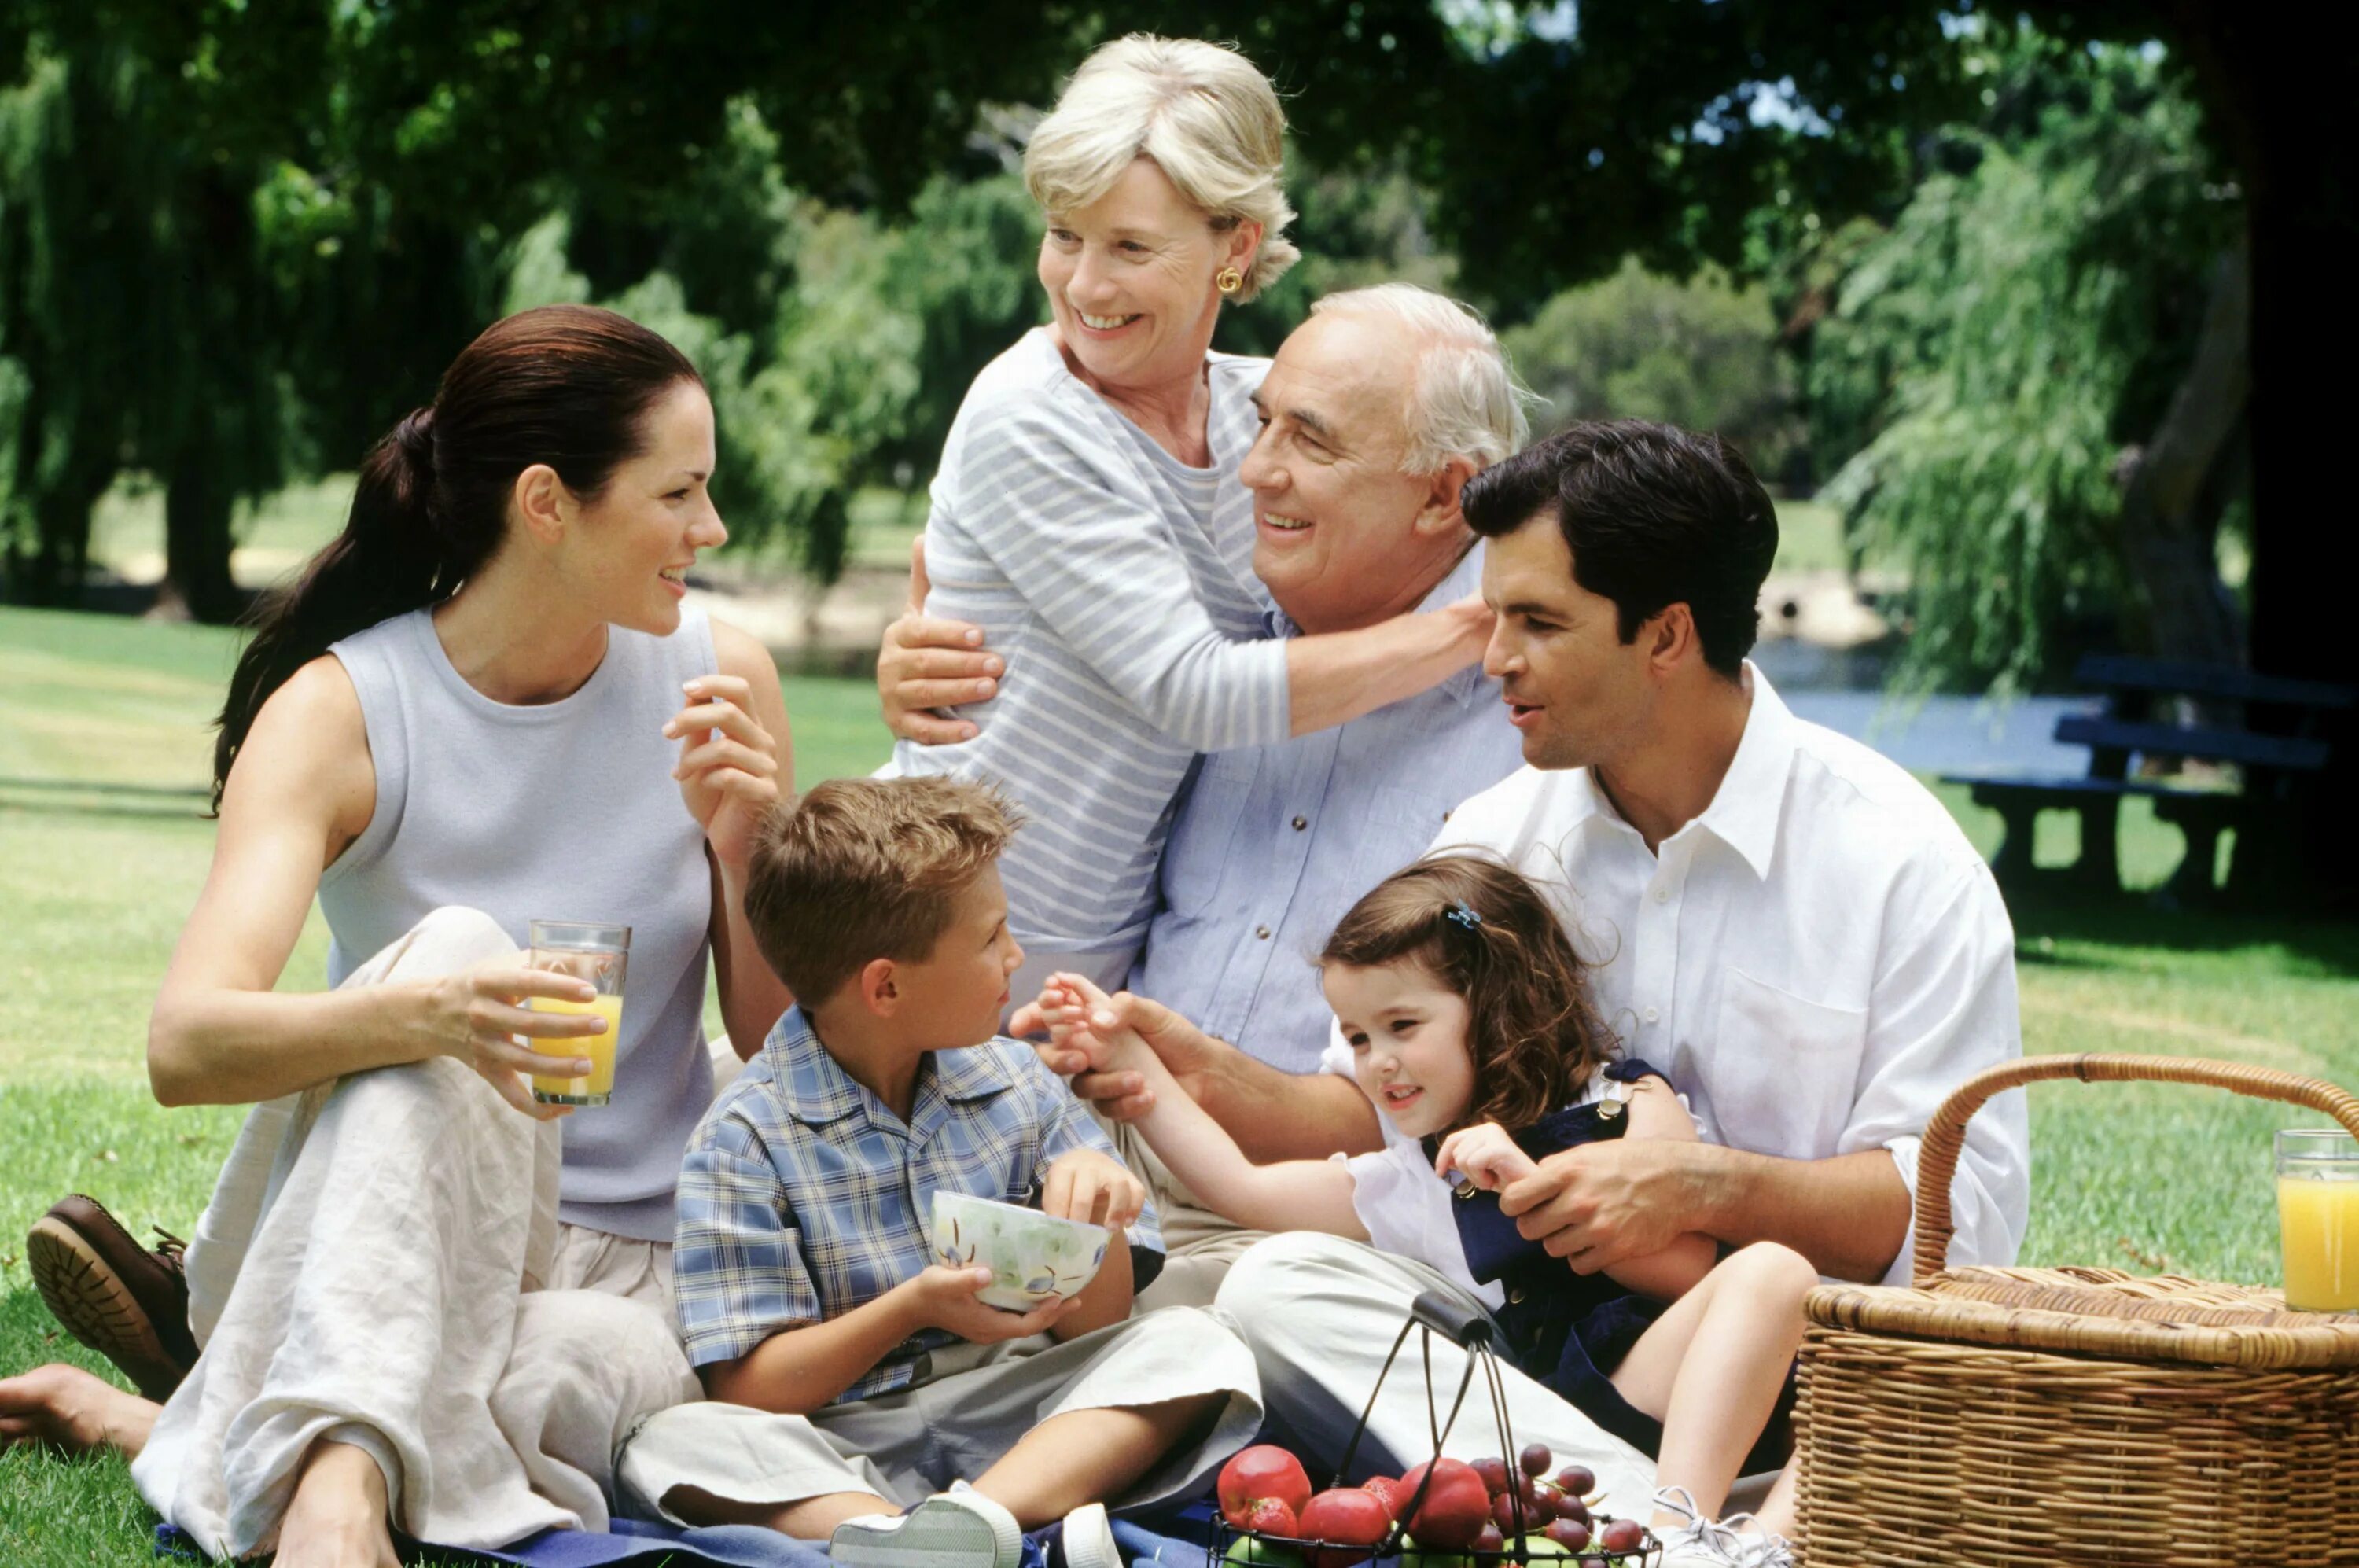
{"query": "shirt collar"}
(819, 1091)
(1745, 808)
(1460, 581)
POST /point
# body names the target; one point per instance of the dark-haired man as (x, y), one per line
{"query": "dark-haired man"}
(1784, 920)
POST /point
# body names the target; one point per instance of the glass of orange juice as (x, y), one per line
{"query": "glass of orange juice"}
(600, 954)
(2318, 1208)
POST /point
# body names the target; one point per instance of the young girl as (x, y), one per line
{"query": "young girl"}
(1470, 1026)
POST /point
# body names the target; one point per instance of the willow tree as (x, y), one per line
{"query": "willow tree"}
(2001, 360)
(133, 294)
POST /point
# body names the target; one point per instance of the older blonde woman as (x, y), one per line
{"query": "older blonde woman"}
(1087, 514)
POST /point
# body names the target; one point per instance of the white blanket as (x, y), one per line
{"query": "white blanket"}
(369, 1270)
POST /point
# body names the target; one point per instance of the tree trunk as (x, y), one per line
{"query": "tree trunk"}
(2305, 229)
(2171, 505)
(197, 509)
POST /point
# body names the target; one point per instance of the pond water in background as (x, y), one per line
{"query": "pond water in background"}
(1842, 690)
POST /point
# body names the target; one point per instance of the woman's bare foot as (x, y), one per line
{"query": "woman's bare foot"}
(65, 1407)
(337, 1519)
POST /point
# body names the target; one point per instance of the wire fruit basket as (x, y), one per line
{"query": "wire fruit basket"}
(1432, 1314)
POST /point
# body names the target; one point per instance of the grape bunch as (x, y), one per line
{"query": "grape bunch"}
(1550, 1510)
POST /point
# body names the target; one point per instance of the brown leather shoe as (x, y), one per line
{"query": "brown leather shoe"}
(124, 1301)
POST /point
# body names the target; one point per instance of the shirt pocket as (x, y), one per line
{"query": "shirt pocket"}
(1782, 1068)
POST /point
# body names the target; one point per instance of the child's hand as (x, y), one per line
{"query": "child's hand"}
(1085, 1186)
(1076, 1013)
(946, 1300)
(1486, 1155)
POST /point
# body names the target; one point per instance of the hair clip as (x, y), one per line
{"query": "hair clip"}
(1465, 915)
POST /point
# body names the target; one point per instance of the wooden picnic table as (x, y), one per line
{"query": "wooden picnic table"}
(2276, 733)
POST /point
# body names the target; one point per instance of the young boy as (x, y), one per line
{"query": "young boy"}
(850, 1375)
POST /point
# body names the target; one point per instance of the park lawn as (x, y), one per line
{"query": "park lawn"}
(94, 882)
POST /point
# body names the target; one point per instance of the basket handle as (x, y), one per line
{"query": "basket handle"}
(1936, 1160)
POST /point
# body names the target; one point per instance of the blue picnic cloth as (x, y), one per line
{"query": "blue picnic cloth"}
(721, 1546)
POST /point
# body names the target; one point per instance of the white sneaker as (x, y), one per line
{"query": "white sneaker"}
(1088, 1539)
(957, 1528)
(1703, 1542)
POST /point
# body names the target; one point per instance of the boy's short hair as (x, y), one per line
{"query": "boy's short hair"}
(860, 869)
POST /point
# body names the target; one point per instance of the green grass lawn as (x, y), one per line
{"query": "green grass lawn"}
(94, 882)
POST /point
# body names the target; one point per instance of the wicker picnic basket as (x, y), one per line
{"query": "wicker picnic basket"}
(2076, 1416)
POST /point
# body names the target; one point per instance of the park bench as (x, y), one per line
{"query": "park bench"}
(2277, 763)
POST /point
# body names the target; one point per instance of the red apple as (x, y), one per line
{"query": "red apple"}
(1388, 1491)
(1455, 1506)
(1352, 1521)
(1271, 1516)
(1261, 1471)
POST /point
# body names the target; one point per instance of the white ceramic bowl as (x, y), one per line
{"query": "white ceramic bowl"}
(1033, 1258)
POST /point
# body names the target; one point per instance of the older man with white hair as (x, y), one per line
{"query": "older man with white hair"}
(1375, 413)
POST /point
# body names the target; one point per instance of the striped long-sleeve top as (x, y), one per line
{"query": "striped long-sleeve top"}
(1118, 582)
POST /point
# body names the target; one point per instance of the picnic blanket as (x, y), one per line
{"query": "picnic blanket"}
(728, 1546)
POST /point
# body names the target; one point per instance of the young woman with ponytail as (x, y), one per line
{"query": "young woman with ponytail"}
(485, 702)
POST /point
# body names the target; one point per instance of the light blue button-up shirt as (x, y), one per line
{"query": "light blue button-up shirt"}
(1272, 844)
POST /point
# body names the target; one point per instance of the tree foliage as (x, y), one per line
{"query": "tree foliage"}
(1990, 359)
(1703, 353)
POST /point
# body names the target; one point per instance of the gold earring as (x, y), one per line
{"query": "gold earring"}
(1230, 280)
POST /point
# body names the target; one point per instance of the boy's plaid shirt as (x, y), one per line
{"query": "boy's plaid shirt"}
(802, 1197)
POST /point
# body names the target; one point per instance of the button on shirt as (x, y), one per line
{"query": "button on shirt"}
(1816, 961)
(1273, 844)
(802, 1197)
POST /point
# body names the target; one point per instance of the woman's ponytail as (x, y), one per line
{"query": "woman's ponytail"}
(565, 384)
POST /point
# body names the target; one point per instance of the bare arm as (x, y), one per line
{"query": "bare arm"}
(1605, 1202)
(747, 734)
(1105, 1300)
(797, 1370)
(1272, 1115)
(1094, 1188)
(1848, 1214)
(303, 789)
(1291, 1195)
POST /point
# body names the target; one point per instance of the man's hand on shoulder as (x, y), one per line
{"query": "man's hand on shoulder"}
(928, 663)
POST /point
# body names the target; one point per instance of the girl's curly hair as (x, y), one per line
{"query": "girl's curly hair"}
(1484, 931)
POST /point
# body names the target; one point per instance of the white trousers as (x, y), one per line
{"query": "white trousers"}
(377, 1266)
(1321, 1312)
(970, 1405)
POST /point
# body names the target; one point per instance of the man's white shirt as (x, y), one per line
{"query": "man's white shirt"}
(1816, 961)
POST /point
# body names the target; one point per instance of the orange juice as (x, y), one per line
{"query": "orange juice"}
(598, 1087)
(2320, 1216)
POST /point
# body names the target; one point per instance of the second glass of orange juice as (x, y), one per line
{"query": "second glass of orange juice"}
(2317, 1209)
(600, 954)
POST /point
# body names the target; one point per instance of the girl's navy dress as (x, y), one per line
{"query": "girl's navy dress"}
(1570, 1331)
